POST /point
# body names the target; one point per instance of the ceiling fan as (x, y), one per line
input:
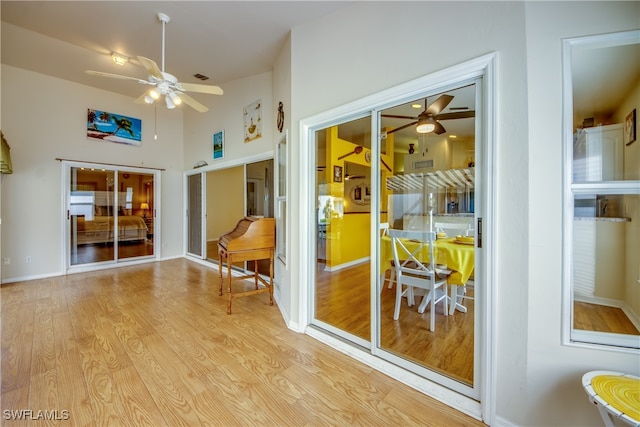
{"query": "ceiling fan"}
(429, 120)
(165, 84)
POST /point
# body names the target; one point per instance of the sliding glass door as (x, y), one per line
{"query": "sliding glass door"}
(409, 165)
(343, 220)
(111, 214)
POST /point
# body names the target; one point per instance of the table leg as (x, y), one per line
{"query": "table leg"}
(455, 301)
(229, 286)
(220, 273)
(271, 280)
(255, 272)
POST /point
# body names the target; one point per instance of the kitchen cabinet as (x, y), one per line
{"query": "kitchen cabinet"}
(598, 154)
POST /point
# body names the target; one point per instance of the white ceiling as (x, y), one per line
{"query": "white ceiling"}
(224, 40)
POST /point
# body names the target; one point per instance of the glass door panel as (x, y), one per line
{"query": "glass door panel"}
(111, 215)
(342, 300)
(91, 215)
(135, 215)
(428, 184)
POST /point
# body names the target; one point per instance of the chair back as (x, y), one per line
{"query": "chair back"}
(408, 247)
(454, 228)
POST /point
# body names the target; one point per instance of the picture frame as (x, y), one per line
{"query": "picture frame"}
(337, 173)
(112, 127)
(218, 145)
(629, 135)
(252, 121)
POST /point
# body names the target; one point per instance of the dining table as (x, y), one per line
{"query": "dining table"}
(458, 256)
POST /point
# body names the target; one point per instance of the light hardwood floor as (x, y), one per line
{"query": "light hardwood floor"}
(152, 345)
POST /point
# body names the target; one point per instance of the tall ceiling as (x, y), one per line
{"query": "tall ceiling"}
(224, 40)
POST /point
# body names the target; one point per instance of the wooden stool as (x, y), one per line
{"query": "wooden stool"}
(616, 395)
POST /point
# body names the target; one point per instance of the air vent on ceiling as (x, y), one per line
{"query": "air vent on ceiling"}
(200, 76)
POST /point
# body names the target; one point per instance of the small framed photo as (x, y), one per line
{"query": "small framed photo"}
(357, 195)
(218, 145)
(630, 128)
(337, 174)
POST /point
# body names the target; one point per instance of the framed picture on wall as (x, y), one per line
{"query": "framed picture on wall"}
(111, 127)
(218, 144)
(630, 128)
(337, 174)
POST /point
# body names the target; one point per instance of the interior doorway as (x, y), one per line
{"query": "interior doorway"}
(242, 190)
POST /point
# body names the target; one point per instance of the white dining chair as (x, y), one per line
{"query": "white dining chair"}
(384, 231)
(413, 272)
(452, 229)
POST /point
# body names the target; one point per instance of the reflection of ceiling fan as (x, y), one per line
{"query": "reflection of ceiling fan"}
(165, 84)
(348, 176)
(429, 120)
(357, 150)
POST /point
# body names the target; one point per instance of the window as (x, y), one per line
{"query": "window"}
(602, 190)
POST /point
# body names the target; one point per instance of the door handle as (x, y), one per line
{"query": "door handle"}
(479, 232)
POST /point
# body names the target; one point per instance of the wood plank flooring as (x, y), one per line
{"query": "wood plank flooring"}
(344, 301)
(152, 344)
(601, 318)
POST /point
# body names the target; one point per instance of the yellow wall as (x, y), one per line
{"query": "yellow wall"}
(225, 193)
(348, 236)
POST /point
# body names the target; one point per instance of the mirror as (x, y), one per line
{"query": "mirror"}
(603, 188)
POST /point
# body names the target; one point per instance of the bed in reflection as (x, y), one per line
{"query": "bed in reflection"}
(100, 229)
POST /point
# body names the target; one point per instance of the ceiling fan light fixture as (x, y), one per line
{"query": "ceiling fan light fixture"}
(169, 102)
(175, 98)
(426, 124)
(148, 99)
(154, 94)
(119, 58)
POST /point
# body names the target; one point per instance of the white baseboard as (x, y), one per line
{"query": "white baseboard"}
(347, 264)
(632, 315)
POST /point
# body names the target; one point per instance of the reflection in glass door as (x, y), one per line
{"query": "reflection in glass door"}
(422, 179)
(110, 215)
(431, 187)
(343, 221)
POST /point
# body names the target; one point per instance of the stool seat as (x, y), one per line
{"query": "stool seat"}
(616, 394)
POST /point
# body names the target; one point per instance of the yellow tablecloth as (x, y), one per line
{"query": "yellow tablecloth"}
(457, 257)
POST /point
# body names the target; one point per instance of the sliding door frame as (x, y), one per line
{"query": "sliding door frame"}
(67, 165)
(482, 407)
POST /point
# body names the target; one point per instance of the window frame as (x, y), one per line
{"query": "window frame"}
(571, 336)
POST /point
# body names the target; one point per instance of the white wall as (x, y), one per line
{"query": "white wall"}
(282, 93)
(371, 46)
(225, 112)
(554, 394)
(44, 118)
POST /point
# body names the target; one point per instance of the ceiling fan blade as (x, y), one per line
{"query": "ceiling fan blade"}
(457, 115)
(439, 104)
(200, 88)
(115, 76)
(402, 127)
(439, 129)
(391, 116)
(151, 67)
(192, 103)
